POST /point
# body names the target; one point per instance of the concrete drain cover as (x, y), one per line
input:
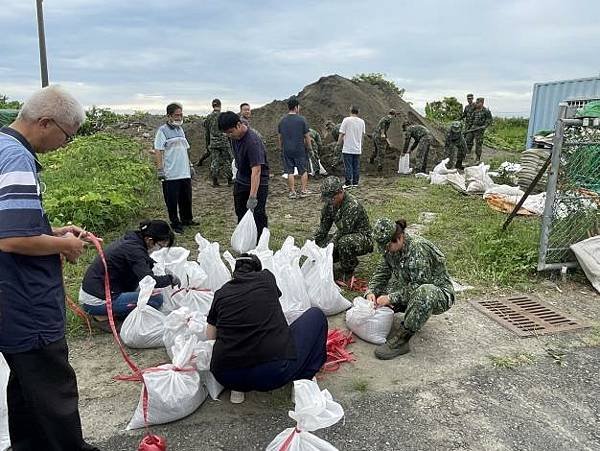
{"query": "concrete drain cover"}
(526, 317)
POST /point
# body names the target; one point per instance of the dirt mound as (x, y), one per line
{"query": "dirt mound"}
(330, 98)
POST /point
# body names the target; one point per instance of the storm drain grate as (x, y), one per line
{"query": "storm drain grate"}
(526, 317)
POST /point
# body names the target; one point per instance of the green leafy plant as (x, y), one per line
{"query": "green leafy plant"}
(447, 110)
(99, 182)
(6, 104)
(378, 79)
(97, 119)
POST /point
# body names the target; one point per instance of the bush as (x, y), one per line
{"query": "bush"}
(378, 79)
(447, 110)
(6, 104)
(507, 133)
(97, 119)
(98, 182)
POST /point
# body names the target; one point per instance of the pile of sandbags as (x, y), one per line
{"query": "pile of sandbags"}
(531, 162)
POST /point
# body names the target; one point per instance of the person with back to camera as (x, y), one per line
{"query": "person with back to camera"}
(128, 260)
(411, 278)
(255, 349)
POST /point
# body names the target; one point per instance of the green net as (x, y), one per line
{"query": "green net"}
(591, 109)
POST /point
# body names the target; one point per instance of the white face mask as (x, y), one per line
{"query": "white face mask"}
(178, 123)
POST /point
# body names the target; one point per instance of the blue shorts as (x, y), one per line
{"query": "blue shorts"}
(297, 160)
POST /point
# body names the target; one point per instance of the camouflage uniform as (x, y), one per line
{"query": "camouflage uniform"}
(455, 141)
(316, 145)
(423, 139)
(334, 130)
(380, 140)
(353, 235)
(415, 279)
(467, 118)
(219, 146)
(481, 118)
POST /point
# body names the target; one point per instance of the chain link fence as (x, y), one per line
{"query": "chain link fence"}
(572, 210)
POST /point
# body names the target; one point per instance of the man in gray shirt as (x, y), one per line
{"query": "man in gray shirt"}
(294, 140)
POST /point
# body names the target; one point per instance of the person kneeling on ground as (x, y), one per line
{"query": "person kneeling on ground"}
(353, 236)
(411, 278)
(255, 349)
(128, 260)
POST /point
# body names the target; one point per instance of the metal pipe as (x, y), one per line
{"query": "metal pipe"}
(42, 41)
(556, 266)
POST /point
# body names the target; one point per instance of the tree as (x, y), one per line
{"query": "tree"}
(446, 110)
(6, 104)
(378, 79)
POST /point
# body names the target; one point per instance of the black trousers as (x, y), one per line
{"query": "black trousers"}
(240, 197)
(42, 398)
(178, 194)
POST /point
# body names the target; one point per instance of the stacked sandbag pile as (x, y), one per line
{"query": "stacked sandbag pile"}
(531, 162)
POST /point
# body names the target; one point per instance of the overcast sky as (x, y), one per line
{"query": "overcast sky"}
(140, 55)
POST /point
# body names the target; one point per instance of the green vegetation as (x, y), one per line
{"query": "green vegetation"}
(6, 104)
(445, 111)
(379, 79)
(512, 361)
(360, 385)
(97, 119)
(99, 182)
(507, 133)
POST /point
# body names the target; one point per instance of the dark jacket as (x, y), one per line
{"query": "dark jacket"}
(128, 263)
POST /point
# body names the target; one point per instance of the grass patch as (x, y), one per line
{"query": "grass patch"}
(593, 337)
(507, 134)
(360, 385)
(512, 361)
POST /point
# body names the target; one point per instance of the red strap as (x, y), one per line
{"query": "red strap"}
(80, 313)
(188, 289)
(288, 441)
(355, 284)
(337, 341)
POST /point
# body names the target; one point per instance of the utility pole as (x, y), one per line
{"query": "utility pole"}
(42, 39)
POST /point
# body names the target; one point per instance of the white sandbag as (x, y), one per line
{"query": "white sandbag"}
(369, 323)
(245, 234)
(588, 255)
(194, 299)
(144, 326)
(477, 178)
(404, 164)
(174, 391)
(262, 251)
(441, 168)
(194, 276)
(233, 169)
(203, 355)
(437, 179)
(170, 260)
(210, 261)
(317, 270)
(230, 259)
(290, 280)
(457, 180)
(322, 170)
(315, 409)
(4, 435)
(422, 175)
(185, 323)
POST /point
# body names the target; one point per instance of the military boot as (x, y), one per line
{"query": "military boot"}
(215, 182)
(396, 343)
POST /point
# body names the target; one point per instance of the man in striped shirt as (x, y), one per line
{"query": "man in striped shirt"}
(42, 393)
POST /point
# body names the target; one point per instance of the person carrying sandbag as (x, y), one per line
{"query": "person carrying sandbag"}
(255, 349)
(128, 260)
(411, 278)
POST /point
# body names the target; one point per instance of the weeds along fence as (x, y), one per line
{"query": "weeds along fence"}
(572, 209)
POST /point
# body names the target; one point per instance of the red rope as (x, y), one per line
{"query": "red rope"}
(355, 284)
(288, 441)
(337, 341)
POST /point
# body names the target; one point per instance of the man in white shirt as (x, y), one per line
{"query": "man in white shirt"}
(352, 131)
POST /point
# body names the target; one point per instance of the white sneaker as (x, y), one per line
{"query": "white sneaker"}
(237, 397)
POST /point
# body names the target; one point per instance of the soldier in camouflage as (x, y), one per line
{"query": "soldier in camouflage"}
(411, 278)
(353, 235)
(314, 156)
(380, 139)
(467, 117)
(422, 140)
(334, 131)
(218, 146)
(455, 146)
(482, 119)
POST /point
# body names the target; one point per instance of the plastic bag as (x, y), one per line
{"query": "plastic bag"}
(195, 300)
(315, 409)
(441, 168)
(438, 179)
(262, 251)
(322, 290)
(294, 297)
(245, 234)
(477, 178)
(170, 260)
(210, 261)
(588, 255)
(185, 323)
(144, 326)
(233, 169)
(404, 164)
(174, 391)
(4, 435)
(203, 355)
(369, 323)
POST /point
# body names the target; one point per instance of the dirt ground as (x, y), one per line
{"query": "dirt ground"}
(445, 394)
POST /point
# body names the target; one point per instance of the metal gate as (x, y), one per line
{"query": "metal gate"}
(572, 209)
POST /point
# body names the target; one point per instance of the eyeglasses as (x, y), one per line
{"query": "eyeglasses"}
(68, 138)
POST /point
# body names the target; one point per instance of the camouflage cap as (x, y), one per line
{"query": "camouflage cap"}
(383, 232)
(456, 125)
(392, 112)
(330, 186)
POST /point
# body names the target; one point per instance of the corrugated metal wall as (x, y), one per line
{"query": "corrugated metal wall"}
(547, 96)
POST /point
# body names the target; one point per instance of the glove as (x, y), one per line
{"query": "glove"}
(251, 203)
(161, 174)
(175, 282)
